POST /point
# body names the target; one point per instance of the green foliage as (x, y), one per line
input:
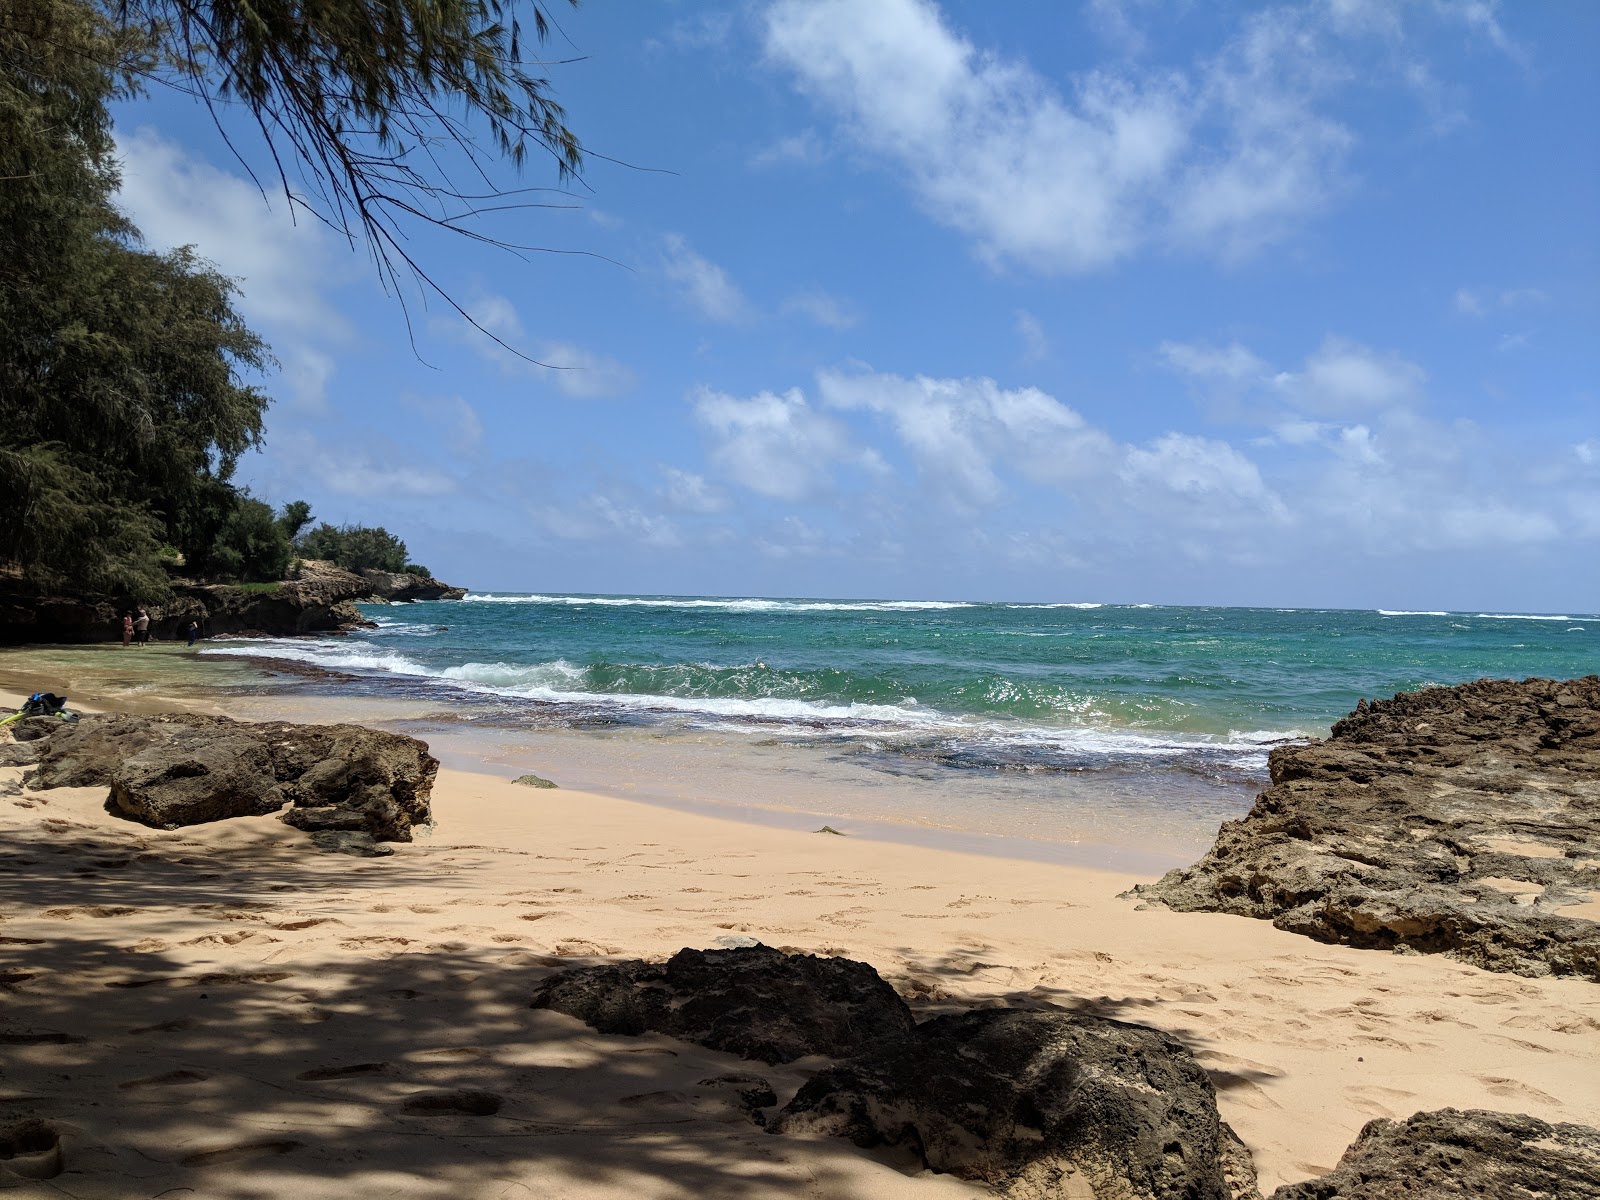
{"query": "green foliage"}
(355, 547)
(122, 404)
(250, 546)
(417, 569)
(296, 515)
(371, 96)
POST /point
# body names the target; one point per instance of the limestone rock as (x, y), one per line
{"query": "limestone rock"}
(755, 1002)
(1036, 1104)
(197, 775)
(403, 587)
(1460, 820)
(1450, 1154)
(533, 781)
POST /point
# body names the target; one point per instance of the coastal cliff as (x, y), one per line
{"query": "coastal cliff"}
(1461, 820)
(320, 599)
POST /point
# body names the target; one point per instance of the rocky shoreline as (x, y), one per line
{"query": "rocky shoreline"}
(320, 599)
(1462, 821)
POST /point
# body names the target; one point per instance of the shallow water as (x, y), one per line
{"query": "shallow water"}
(1049, 730)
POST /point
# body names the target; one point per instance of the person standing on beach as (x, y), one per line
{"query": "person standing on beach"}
(192, 631)
(127, 629)
(141, 628)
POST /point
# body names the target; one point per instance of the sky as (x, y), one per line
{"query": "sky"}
(1124, 301)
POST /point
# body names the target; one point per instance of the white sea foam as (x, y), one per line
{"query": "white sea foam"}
(1066, 604)
(1400, 612)
(752, 604)
(561, 682)
(1521, 617)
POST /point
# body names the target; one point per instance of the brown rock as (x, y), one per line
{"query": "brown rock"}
(1455, 820)
(1450, 1154)
(175, 769)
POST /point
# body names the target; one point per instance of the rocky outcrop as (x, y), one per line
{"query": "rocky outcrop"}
(1448, 1154)
(321, 600)
(176, 769)
(755, 1002)
(1462, 820)
(1035, 1104)
(403, 587)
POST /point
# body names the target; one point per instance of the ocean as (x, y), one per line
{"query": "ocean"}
(1048, 724)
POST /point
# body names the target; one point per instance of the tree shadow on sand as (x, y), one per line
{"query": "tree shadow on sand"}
(292, 1069)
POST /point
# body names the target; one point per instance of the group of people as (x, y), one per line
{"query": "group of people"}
(136, 628)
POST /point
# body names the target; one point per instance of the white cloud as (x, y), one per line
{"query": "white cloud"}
(689, 492)
(1222, 157)
(1211, 477)
(570, 369)
(776, 445)
(957, 429)
(374, 469)
(1035, 345)
(283, 266)
(1479, 301)
(1231, 364)
(1344, 377)
(583, 373)
(706, 286)
(825, 310)
(804, 149)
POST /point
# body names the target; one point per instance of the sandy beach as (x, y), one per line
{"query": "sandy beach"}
(219, 1011)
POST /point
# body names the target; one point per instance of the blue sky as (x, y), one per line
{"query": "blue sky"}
(1124, 301)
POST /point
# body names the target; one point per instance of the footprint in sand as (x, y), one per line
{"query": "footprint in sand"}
(242, 1152)
(1495, 1085)
(168, 1079)
(449, 1053)
(165, 1026)
(350, 1072)
(465, 1102)
(89, 910)
(32, 1150)
(44, 1037)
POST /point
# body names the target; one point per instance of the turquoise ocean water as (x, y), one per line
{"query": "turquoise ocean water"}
(908, 686)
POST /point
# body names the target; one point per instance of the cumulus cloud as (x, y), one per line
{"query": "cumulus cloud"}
(1344, 456)
(1221, 156)
(374, 469)
(688, 491)
(707, 288)
(284, 266)
(776, 445)
(956, 430)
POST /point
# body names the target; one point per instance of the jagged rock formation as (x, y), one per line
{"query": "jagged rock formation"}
(756, 1002)
(321, 600)
(176, 769)
(1461, 820)
(1036, 1104)
(1450, 1154)
(403, 587)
